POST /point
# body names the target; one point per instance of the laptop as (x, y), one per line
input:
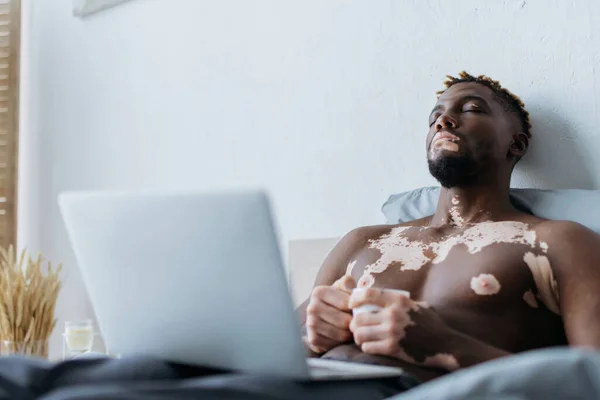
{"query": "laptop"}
(195, 279)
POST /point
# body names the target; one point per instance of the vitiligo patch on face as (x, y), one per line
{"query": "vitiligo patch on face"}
(544, 281)
(455, 200)
(446, 145)
(411, 255)
(530, 299)
(485, 285)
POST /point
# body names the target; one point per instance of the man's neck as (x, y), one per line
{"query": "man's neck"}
(460, 206)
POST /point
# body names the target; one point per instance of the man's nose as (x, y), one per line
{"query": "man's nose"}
(445, 121)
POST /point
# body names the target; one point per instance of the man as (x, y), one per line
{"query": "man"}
(485, 280)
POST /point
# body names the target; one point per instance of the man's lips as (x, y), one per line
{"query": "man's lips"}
(445, 135)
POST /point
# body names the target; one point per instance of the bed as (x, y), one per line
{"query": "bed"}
(559, 373)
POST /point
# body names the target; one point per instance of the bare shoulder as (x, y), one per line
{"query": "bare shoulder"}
(569, 243)
(356, 239)
(426, 221)
(565, 232)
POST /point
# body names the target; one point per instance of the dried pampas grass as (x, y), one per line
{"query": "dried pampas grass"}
(28, 294)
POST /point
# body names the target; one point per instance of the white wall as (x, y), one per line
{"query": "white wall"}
(325, 103)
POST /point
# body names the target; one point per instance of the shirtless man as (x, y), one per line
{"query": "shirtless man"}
(485, 280)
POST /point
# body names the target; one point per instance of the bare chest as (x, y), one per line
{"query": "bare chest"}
(483, 269)
(492, 281)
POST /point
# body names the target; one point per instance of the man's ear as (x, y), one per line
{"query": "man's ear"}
(519, 145)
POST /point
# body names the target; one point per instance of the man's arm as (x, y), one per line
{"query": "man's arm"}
(574, 253)
(327, 303)
(334, 266)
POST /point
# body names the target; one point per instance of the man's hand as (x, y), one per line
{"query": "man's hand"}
(328, 315)
(403, 329)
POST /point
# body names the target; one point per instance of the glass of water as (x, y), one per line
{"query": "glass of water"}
(79, 336)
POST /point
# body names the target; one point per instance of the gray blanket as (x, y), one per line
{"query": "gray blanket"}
(546, 374)
(140, 378)
(559, 373)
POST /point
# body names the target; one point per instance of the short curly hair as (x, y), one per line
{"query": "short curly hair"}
(509, 101)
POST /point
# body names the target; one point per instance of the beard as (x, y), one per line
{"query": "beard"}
(455, 171)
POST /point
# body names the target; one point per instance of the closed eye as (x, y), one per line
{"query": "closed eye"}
(473, 108)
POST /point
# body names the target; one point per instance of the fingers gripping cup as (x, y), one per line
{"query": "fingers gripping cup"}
(371, 308)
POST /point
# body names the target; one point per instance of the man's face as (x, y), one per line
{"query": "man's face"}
(469, 135)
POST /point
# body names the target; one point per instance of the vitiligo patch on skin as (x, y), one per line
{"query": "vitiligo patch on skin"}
(544, 246)
(366, 281)
(423, 304)
(484, 234)
(350, 267)
(530, 299)
(443, 143)
(394, 247)
(443, 360)
(544, 280)
(411, 255)
(485, 285)
(455, 200)
(455, 217)
(446, 145)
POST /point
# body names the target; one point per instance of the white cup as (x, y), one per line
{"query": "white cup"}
(371, 308)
